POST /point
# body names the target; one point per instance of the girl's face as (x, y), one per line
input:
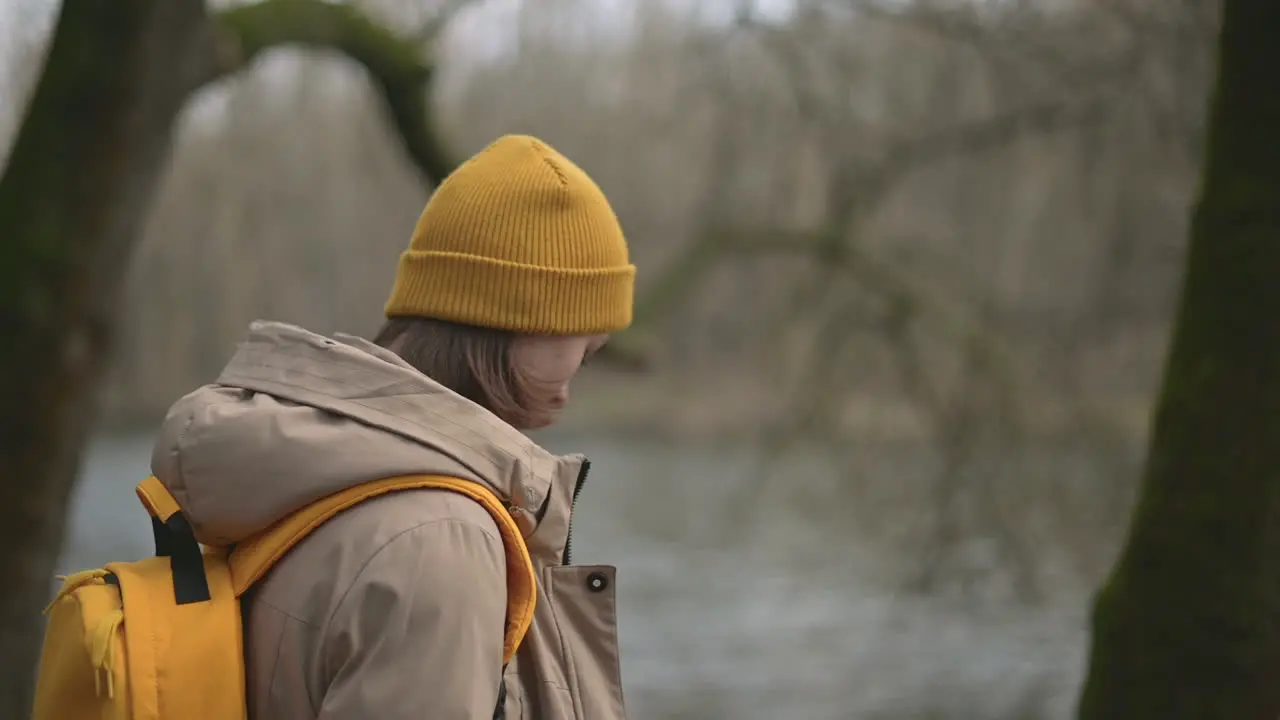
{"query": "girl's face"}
(546, 365)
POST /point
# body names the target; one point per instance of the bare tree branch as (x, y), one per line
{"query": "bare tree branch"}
(995, 41)
(854, 188)
(431, 29)
(977, 136)
(398, 65)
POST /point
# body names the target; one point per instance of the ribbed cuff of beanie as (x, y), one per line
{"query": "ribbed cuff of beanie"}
(510, 296)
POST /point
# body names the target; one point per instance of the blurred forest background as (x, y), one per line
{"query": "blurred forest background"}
(906, 275)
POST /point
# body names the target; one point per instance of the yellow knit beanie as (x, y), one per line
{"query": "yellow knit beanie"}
(517, 238)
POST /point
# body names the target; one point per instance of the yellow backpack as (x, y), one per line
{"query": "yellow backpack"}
(161, 638)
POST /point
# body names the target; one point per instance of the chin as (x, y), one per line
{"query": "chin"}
(539, 422)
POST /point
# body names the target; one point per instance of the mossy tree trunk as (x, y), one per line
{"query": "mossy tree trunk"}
(1188, 625)
(73, 197)
(401, 68)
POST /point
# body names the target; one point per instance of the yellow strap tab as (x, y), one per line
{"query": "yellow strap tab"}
(252, 558)
(157, 499)
(74, 581)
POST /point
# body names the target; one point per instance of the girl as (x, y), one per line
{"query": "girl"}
(515, 274)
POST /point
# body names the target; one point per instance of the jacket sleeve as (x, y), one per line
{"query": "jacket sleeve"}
(419, 634)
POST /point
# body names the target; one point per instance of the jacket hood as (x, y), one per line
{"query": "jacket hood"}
(296, 416)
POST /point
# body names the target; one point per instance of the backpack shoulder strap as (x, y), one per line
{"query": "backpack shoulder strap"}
(251, 559)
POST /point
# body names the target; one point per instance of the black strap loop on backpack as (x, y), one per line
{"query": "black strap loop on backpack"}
(500, 710)
(176, 541)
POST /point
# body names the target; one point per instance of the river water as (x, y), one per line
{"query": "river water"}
(737, 600)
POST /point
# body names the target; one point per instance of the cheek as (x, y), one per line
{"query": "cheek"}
(551, 388)
(548, 393)
(552, 366)
(548, 368)
(544, 401)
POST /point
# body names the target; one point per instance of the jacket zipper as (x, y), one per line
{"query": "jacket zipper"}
(577, 490)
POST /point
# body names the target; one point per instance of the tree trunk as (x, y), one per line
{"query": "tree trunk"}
(1188, 625)
(73, 197)
(83, 167)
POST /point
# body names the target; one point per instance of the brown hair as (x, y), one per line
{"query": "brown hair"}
(474, 362)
